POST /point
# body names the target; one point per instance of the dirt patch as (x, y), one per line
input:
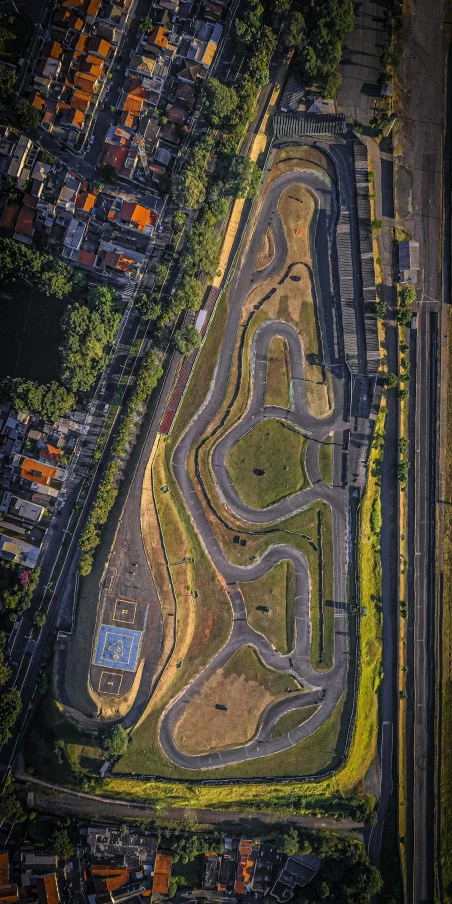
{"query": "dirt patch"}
(277, 390)
(246, 686)
(267, 252)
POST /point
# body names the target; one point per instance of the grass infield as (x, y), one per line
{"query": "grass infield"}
(246, 686)
(268, 464)
(326, 459)
(292, 720)
(275, 590)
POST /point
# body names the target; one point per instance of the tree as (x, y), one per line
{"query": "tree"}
(294, 31)
(62, 845)
(8, 79)
(115, 743)
(218, 102)
(11, 810)
(290, 841)
(108, 173)
(51, 400)
(248, 28)
(10, 708)
(172, 887)
(179, 220)
(40, 619)
(149, 306)
(86, 563)
(28, 115)
(146, 25)
(187, 339)
(243, 176)
(218, 209)
(188, 295)
(89, 538)
(392, 380)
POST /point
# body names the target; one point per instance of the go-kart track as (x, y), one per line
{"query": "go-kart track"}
(321, 688)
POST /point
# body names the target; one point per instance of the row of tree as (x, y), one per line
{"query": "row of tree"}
(148, 377)
(89, 329)
(320, 43)
(49, 275)
(16, 587)
(50, 400)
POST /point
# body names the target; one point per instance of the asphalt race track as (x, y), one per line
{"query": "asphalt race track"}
(326, 688)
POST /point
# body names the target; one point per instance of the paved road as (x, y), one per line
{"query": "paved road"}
(324, 689)
(420, 211)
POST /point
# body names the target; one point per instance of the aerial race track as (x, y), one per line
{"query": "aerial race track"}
(323, 689)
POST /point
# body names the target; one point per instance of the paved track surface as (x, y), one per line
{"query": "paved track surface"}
(324, 689)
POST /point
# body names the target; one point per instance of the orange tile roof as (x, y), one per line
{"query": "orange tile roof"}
(76, 118)
(90, 58)
(77, 24)
(25, 220)
(137, 214)
(162, 874)
(4, 868)
(109, 878)
(93, 7)
(85, 200)
(47, 889)
(132, 104)
(75, 4)
(42, 475)
(92, 68)
(159, 37)
(81, 43)
(80, 101)
(98, 46)
(39, 101)
(8, 221)
(8, 894)
(85, 81)
(55, 50)
(128, 119)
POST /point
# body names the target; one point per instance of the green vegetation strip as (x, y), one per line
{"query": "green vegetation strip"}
(292, 720)
(268, 464)
(326, 459)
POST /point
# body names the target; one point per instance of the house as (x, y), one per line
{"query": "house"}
(267, 858)
(80, 101)
(9, 216)
(143, 219)
(408, 262)
(212, 865)
(38, 474)
(85, 202)
(190, 73)
(68, 193)
(247, 854)
(203, 45)
(47, 889)
(298, 870)
(24, 228)
(18, 551)
(23, 509)
(162, 874)
(8, 893)
(98, 47)
(47, 72)
(74, 234)
(19, 157)
(142, 65)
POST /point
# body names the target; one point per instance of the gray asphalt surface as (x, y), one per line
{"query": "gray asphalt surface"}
(325, 689)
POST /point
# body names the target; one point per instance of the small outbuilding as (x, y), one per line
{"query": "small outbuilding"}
(408, 262)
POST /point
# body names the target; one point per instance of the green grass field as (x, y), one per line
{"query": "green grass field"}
(292, 720)
(278, 374)
(268, 464)
(276, 590)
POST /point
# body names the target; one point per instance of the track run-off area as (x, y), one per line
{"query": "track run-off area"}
(324, 377)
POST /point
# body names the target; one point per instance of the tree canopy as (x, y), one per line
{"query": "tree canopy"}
(115, 743)
(10, 708)
(19, 261)
(218, 102)
(61, 844)
(188, 186)
(89, 329)
(248, 28)
(187, 339)
(50, 400)
(320, 52)
(29, 116)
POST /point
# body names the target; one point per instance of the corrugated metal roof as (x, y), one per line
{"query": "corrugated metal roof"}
(296, 125)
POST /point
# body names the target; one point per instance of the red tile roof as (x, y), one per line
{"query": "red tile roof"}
(25, 220)
(114, 156)
(9, 215)
(86, 258)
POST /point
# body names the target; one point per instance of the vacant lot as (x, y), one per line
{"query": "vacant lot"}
(268, 464)
(30, 333)
(275, 591)
(247, 687)
(277, 391)
(292, 720)
(14, 33)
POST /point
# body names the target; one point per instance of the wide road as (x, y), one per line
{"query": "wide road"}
(324, 689)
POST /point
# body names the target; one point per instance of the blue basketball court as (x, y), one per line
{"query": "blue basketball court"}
(118, 648)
